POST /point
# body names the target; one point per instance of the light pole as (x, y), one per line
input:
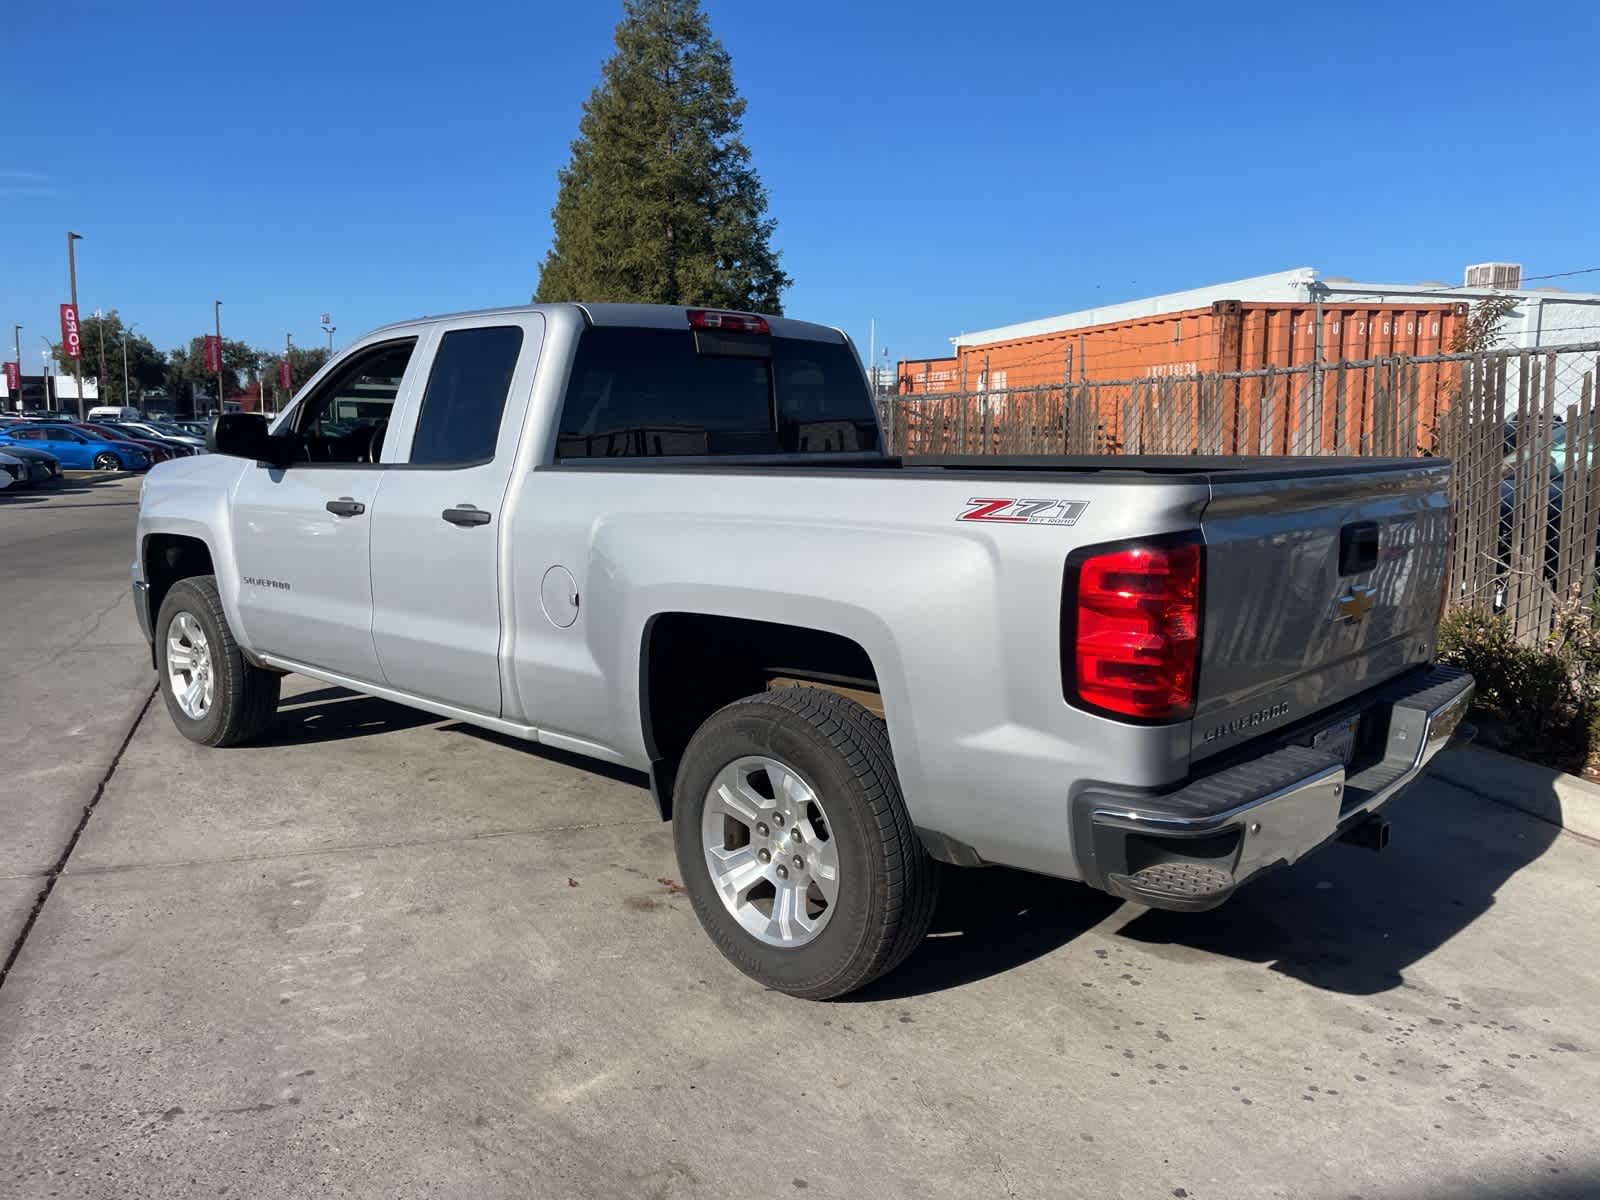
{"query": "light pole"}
(16, 345)
(126, 332)
(328, 327)
(72, 280)
(48, 370)
(216, 310)
(288, 365)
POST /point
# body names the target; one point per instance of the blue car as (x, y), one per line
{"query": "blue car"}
(76, 448)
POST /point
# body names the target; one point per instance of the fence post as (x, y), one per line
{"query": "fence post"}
(1316, 379)
(962, 401)
(989, 389)
(1066, 389)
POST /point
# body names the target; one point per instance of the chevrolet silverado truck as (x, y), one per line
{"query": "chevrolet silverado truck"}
(672, 539)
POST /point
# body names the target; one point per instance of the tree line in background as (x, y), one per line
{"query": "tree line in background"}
(179, 376)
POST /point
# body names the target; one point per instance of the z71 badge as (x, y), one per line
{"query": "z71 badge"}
(1011, 511)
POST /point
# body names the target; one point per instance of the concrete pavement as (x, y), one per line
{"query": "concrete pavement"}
(382, 955)
(72, 662)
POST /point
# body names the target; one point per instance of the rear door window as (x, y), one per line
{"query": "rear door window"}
(645, 393)
(466, 396)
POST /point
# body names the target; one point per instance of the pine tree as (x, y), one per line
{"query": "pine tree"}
(660, 203)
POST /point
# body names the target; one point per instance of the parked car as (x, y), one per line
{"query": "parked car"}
(13, 472)
(198, 428)
(157, 451)
(113, 412)
(672, 539)
(1550, 528)
(177, 447)
(163, 431)
(43, 467)
(78, 447)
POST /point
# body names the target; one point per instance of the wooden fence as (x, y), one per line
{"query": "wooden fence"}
(1520, 426)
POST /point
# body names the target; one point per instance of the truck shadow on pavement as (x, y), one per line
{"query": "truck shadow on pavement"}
(990, 920)
(1350, 921)
(333, 714)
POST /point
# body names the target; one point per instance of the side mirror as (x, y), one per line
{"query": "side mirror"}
(244, 435)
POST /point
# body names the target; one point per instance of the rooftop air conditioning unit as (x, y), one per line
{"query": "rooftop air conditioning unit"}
(1494, 275)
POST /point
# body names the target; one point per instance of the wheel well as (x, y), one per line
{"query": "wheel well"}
(169, 557)
(692, 664)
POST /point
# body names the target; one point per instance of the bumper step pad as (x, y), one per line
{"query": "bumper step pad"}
(1179, 885)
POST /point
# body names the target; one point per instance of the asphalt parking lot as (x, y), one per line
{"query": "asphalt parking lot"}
(385, 955)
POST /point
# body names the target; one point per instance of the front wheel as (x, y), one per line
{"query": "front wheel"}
(107, 462)
(794, 843)
(214, 695)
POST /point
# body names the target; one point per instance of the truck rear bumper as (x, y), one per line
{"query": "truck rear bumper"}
(1191, 848)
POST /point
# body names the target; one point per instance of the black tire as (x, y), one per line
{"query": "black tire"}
(245, 697)
(887, 883)
(107, 462)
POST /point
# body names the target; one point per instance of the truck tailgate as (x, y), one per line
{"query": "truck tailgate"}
(1316, 589)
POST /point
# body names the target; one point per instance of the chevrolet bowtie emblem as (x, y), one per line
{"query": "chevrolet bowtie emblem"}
(1356, 603)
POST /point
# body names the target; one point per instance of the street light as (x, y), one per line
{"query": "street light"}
(16, 345)
(47, 355)
(216, 311)
(328, 327)
(126, 332)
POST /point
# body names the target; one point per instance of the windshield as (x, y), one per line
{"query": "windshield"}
(1558, 454)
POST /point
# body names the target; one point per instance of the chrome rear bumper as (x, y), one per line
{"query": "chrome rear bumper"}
(1191, 848)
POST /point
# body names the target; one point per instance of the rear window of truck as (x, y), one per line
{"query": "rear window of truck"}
(649, 393)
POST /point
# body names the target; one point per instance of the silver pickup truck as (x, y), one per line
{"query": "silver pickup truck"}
(671, 539)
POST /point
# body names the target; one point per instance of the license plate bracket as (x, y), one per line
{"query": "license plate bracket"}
(1338, 739)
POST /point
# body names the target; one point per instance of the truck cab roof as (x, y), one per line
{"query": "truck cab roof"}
(644, 316)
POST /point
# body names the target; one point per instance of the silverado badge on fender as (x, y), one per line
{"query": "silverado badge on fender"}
(1011, 511)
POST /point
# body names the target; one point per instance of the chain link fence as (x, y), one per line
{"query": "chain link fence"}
(1520, 427)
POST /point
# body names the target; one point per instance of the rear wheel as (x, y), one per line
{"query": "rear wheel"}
(107, 462)
(214, 695)
(794, 843)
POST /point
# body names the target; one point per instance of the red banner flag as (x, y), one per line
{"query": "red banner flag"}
(285, 376)
(13, 378)
(213, 353)
(71, 338)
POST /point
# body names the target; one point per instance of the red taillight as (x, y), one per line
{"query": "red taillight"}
(732, 322)
(1134, 626)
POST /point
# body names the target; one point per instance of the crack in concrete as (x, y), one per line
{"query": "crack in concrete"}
(55, 872)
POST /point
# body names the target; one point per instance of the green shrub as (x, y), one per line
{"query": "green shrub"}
(1541, 702)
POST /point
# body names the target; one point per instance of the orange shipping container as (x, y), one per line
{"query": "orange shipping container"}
(925, 376)
(1226, 336)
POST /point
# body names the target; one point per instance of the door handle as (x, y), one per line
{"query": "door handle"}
(465, 514)
(344, 506)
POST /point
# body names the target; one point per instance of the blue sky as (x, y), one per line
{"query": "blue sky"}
(937, 166)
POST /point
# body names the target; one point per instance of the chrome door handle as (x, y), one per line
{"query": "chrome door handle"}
(465, 514)
(344, 506)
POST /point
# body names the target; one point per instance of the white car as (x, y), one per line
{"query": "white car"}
(13, 471)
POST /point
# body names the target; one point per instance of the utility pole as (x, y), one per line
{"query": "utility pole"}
(216, 311)
(125, 392)
(99, 380)
(288, 363)
(72, 280)
(872, 354)
(49, 372)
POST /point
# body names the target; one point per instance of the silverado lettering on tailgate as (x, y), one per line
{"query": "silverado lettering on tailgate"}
(1261, 716)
